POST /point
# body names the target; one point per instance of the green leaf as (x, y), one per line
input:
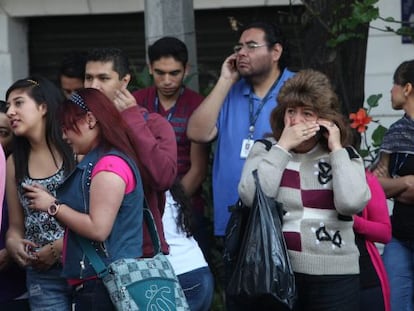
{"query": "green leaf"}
(141, 79)
(363, 12)
(405, 31)
(389, 19)
(378, 135)
(363, 153)
(371, 2)
(373, 100)
(333, 43)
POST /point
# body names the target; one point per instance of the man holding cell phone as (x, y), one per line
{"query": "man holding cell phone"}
(237, 110)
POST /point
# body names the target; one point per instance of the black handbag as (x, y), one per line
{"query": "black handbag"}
(263, 270)
(236, 226)
(235, 229)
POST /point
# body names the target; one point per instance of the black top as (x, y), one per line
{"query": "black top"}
(402, 219)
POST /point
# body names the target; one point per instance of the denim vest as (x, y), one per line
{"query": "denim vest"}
(125, 239)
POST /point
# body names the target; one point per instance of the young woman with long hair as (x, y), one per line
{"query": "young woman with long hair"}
(34, 239)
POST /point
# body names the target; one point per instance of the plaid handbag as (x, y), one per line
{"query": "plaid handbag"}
(140, 283)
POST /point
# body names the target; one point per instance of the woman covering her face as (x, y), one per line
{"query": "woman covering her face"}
(307, 166)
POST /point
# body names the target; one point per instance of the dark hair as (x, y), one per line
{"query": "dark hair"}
(113, 129)
(9, 147)
(183, 202)
(73, 65)
(3, 106)
(312, 89)
(42, 91)
(119, 59)
(168, 47)
(404, 73)
(273, 35)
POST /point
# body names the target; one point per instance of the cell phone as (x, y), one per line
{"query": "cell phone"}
(234, 64)
(322, 130)
(31, 251)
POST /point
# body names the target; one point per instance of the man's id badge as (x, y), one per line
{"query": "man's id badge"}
(246, 147)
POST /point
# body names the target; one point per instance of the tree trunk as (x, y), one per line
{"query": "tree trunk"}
(344, 64)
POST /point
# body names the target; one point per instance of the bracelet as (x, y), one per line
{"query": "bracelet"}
(54, 253)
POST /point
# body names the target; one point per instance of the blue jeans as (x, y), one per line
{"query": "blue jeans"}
(48, 291)
(198, 287)
(92, 295)
(398, 259)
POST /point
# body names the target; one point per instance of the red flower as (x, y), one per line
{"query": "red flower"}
(360, 120)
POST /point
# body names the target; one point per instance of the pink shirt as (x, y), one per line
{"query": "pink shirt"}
(375, 226)
(117, 166)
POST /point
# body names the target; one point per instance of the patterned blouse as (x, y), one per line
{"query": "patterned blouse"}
(41, 228)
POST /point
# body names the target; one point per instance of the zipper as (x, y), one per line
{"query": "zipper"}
(82, 266)
(86, 180)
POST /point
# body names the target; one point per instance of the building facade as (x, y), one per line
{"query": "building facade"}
(34, 35)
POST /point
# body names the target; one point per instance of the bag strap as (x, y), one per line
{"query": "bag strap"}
(149, 220)
(96, 261)
(268, 144)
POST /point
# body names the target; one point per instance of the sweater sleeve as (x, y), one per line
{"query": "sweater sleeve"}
(374, 224)
(351, 191)
(155, 145)
(270, 166)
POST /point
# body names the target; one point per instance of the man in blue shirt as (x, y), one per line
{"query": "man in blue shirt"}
(237, 110)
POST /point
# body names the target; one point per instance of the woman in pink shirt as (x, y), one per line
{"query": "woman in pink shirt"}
(370, 226)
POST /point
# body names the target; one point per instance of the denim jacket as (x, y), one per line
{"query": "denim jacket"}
(125, 239)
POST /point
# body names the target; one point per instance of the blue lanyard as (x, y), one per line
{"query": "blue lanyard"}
(173, 108)
(253, 116)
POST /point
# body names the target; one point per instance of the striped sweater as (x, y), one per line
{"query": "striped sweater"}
(320, 191)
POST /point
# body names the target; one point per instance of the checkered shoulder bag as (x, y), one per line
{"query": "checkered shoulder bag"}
(140, 283)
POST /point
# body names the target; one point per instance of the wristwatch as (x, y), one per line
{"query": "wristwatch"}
(53, 208)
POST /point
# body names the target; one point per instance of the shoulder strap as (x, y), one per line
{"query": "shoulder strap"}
(149, 219)
(96, 261)
(267, 143)
(351, 152)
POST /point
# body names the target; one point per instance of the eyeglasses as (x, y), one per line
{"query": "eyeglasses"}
(250, 46)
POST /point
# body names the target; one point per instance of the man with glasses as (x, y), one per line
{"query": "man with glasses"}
(237, 110)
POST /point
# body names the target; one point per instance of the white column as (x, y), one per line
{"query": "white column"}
(14, 56)
(176, 19)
